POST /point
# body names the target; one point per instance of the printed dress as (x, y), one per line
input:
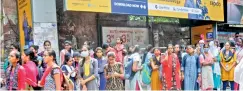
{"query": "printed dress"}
(50, 81)
(114, 83)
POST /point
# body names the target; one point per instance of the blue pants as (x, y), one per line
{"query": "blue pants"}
(225, 84)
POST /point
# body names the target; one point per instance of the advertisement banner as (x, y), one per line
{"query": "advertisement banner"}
(137, 7)
(25, 23)
(238, 2)
(89, 5)
(191, 9)
(130, 36)
(235, 14)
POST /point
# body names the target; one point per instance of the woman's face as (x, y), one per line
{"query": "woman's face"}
(157, 52)
(70, 62)
(170, 49)
(24, 57)
(76, 59)
(111, 59)
(118, 40)
(227, 46)
(99, 53)
(190, 50)
(47, 58)
(33, 49)
(67, 46)
(12, 58)
(47, 46)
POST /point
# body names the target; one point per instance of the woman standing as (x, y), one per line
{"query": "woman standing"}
(206, 60)
(15, 75)
(89, 70)
(47, 47)
(135, 83)
(51, 79)
(114, 73)
(228, 62)
(119, 50)
(155, 64)
(171, 70)
(216, 66)
(68, 49)
(30, 67)
(190, 69)
(69, 70)
(101, 65)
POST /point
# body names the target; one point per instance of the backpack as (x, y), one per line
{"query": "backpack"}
(66, 83)
(146, 74)
(129, 74)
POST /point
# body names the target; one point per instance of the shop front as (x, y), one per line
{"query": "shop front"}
(143, 22)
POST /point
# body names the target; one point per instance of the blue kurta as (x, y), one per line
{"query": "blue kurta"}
(191, 68)
(101, 65)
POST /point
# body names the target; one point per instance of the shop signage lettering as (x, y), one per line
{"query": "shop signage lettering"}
(206, 9)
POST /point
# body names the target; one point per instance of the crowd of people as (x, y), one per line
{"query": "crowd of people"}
(204, 66)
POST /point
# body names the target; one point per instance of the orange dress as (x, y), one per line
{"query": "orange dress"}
(155, 80)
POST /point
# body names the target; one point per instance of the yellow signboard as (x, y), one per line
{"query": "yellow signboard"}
(89, 5)
(25, 22)
(191, 9)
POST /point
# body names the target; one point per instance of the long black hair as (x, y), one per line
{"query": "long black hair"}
(67, 58)
(16, 46)
(53, 54)
(31, 55)
(47, 41)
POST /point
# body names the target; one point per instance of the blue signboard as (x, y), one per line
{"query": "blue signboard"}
(137, 7)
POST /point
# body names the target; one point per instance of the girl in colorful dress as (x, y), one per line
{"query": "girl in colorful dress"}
(15, 75)
(228, 62)
(89, 70)
(119, 50)
(206, 60)
(155, 64)
(101, 65)
(114, 73)
(51, 79)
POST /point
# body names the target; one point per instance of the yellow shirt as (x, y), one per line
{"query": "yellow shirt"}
(86, 69)
(227, 75)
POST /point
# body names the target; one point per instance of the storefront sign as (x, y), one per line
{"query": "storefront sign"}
(25, 23)
(191, 9)
(130, 36)
(137, 7)
(89, 5)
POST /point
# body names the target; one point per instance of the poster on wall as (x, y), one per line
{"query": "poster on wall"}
(235, 14)
(25, 23)
(130, 36)
(43, 32)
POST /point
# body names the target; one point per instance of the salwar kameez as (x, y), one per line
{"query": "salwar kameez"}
(191, 69)
(155, 79)
(207, 72)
